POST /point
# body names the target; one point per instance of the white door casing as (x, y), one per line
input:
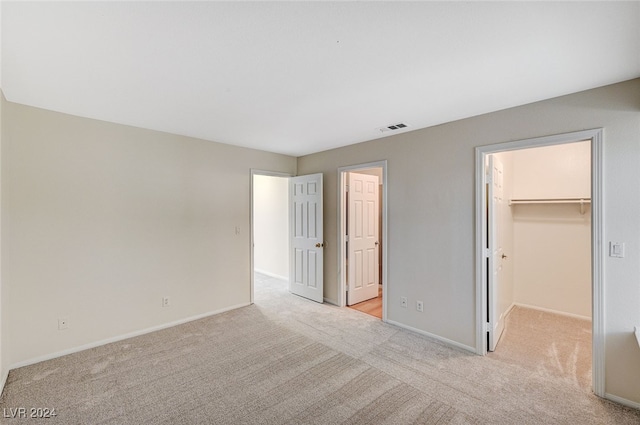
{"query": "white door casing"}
(306, 243)
(363, 274)
(495, 188)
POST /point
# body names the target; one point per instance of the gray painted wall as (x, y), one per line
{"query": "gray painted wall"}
(431, 214)
(101, 221)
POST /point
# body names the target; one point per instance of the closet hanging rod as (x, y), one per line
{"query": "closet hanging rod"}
(580, 201)
(551, 201)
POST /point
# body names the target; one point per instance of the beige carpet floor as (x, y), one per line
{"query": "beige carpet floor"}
(547, 344)
(286, 360)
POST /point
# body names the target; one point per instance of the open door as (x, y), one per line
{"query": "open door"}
(363, 271)
(306, 243)
(495, 205)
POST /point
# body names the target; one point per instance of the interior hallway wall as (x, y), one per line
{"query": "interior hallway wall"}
(101, 221)
(553, 241)
(271, 225)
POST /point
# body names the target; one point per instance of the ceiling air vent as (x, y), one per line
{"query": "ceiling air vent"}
(394, 127)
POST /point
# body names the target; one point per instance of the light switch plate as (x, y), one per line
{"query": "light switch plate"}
(616, 249)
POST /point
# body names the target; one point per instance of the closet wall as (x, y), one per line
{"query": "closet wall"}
(552, 242)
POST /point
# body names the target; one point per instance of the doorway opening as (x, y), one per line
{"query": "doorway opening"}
(286, 239)
(269, 230)
(552, 210)
(362, 236)
(539, 227)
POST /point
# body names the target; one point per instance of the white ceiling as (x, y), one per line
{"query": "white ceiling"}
(298, 78)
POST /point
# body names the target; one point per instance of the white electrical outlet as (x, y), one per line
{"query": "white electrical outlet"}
(420, 306)
(63, 323)
(403, 302)
(165, 302)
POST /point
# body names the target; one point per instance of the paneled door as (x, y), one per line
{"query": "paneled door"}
(363, 272)
(306, 242)
(495, 187)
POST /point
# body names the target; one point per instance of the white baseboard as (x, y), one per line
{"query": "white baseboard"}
(3, 380)
(509, 310)
(277, 276)
(332, 302)
(430, 335)
(121, 337)
(548, 310)
(622, 401)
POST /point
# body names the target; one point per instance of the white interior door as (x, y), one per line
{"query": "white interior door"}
(306, 243)
(495, 187)
(363, 242)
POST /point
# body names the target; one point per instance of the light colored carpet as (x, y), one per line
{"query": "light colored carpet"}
(287, 360)
(547, 344)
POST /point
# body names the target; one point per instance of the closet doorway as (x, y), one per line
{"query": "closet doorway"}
(539, 223)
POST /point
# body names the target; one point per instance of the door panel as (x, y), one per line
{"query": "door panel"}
(363, 242)
(496, 205)
(306, 237)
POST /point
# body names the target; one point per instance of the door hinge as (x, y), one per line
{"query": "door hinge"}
(346, 238)
(347, 288)
(346, 188)
(489, 178)
(486, 252)
(487, 327)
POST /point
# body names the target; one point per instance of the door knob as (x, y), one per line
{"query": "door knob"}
(377, 243)
(319, 245)
(504, 256)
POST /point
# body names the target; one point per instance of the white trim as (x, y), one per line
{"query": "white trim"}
(549, 310)
(597, 263)
(122, 337)
(481, 266)
(254, 172)
(433, 336)
(509, 310)
(276, 276)
(342, 293)
(3, 380)
(329, 301)
(595, 136)
(622, 401)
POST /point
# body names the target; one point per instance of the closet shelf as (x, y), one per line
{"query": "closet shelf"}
(580, 201)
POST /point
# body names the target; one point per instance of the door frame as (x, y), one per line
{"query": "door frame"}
(254, 172)
(597, 241)
(342, 230)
